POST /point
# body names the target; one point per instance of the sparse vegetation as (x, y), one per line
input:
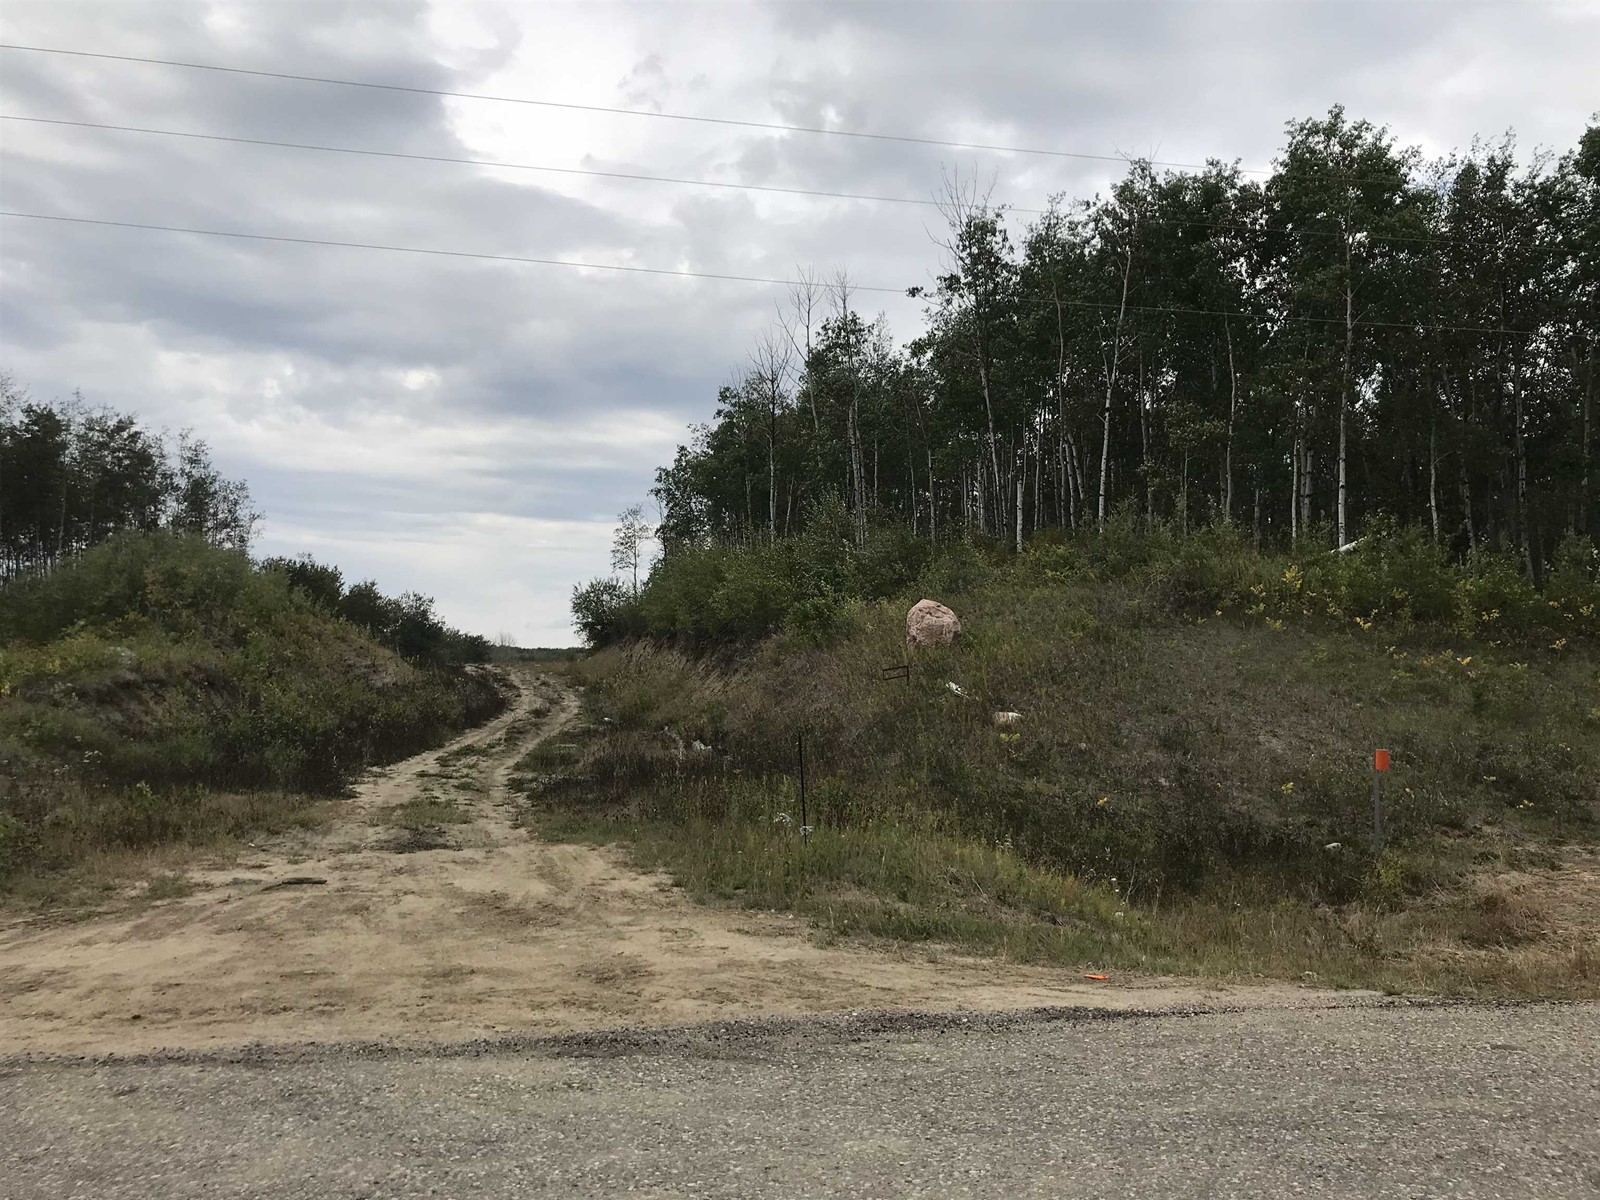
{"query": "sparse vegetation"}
(424, 813)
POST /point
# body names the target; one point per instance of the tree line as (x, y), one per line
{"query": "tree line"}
(72, 476)
(406, 624)
(1363, 335)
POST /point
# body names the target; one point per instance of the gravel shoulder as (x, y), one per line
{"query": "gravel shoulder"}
(1376, 1100)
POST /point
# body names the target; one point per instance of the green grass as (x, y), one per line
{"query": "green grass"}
(168, 886)
(424, 812)
(159, 691)
(1188, 771)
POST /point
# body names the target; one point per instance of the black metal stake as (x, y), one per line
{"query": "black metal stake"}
(800, 746)
(1377, 812)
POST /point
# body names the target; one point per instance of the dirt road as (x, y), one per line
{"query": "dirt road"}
(437, 916)
(1385, 1101)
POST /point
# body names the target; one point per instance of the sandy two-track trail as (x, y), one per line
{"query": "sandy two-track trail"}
(489, 930)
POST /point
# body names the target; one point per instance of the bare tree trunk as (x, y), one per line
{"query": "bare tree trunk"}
(988, 410)
(1077, 485)
(1307, 481)
(805, 297)
(858, 483)
(1038, 470)
(1344, 389)
(933, 502)
(1227, 452)
(1019, 507)
(1255, 519)
(1433, 475)
(1144, 439)
(853, 417)
(911, 482)
(1064, 492)
(1523, 532)
(1183, 500)
(1294, 490)
(772, 362)
(1111, 382)
(1585, 500)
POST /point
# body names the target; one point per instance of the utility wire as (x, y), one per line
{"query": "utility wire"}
(1225, 226)
(771, 126)
(762, 279)
(486, 162)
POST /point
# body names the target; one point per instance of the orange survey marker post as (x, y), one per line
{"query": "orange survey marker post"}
(1380, 764)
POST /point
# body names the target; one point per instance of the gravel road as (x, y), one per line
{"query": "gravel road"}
(1369, 1100)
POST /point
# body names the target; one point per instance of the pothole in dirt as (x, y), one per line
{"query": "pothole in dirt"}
(421, 837)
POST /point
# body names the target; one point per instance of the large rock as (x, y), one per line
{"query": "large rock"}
(930, 623)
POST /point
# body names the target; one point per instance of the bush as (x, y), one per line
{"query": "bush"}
(149, 670)
(181, 583)
(407, 624)
(321, 584)
(1395, 578)
(604, 612)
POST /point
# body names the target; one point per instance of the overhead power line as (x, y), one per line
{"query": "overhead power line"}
(683, 274)
(769, 126)
(488, 162)
(1226, 226)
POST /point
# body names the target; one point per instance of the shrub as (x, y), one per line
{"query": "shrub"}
(954, 568)
(210, 675)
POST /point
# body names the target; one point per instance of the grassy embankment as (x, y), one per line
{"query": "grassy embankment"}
(1188, 788)
(159, 692)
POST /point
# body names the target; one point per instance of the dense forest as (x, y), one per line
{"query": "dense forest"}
(1362, 335)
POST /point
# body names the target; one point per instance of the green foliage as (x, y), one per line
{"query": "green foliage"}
(1394, 581)
(1176, 351)
(154, 674)
(72, 477)
(407, 624)
(741, 592)
(1160, 751)
(604, 612)
(320, 583)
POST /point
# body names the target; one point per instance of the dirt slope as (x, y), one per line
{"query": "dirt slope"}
(420, 927)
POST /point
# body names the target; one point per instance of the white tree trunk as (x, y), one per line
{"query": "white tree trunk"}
(1227, 453)
(1111, 384)
(1344, 391)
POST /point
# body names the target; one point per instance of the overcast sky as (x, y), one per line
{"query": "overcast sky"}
(470, 429)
